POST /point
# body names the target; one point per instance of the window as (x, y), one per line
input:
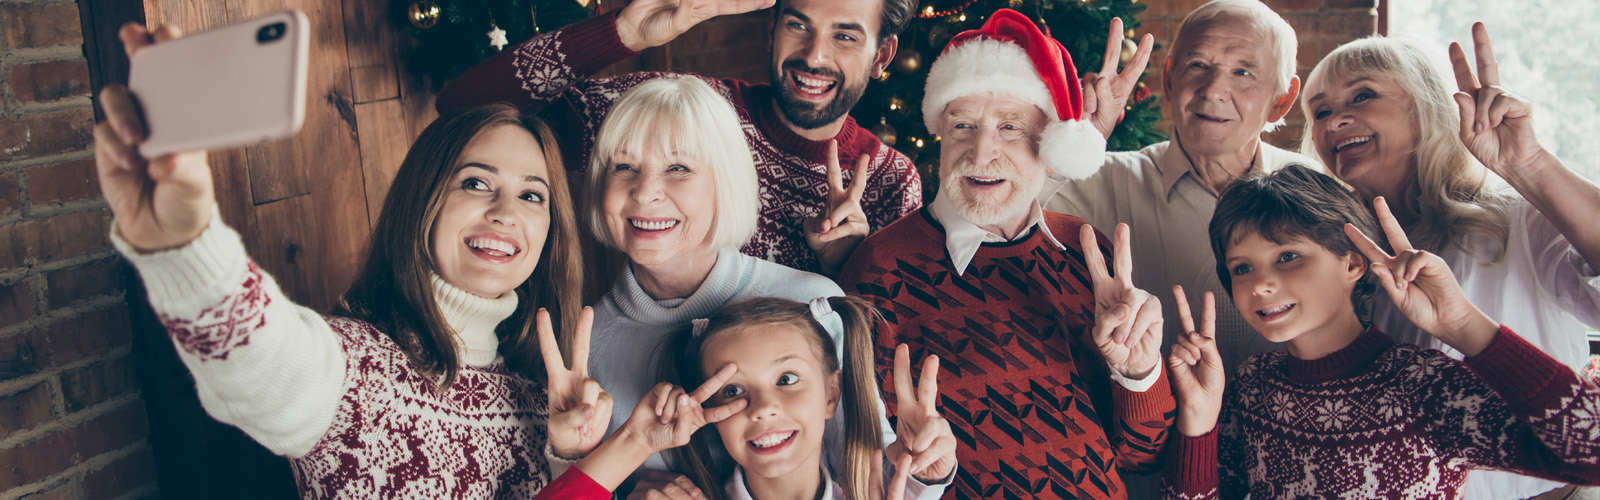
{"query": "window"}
(1547, 52)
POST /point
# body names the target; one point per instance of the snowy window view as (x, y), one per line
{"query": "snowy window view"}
(1546, 50)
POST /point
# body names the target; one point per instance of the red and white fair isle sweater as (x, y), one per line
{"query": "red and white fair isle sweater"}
(549, 74)
(1384, 420)
(337, 396)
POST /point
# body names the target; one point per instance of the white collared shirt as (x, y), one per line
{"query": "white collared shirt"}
(737, 490)
(963, 238)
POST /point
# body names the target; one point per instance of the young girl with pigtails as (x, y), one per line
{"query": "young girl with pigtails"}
(793, 378)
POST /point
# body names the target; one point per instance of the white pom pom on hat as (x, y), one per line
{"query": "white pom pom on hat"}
(1009, 55)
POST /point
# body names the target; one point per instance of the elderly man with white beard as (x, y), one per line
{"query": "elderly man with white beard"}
(1039, 341)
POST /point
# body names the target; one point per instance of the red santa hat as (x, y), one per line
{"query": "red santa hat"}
(1009, 55)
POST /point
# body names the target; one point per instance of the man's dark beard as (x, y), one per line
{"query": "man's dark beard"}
(802, 113)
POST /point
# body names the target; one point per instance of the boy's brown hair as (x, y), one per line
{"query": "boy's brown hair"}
(1294, 201)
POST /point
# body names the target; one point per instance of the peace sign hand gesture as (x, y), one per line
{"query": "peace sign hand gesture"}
(1197, 368)
(1496, 125)
(1422, 286)
(1105, 94)
(652, 23)
(921, 433)
(1127, 327)
(667, 416)
(843, 223)
(579, 408)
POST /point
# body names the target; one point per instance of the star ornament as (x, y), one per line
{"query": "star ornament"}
(497, 37)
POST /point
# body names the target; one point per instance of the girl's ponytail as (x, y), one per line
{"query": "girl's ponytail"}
(859, 395)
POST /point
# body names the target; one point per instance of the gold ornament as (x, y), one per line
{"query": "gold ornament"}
(583, 3)
(1128, 49)
(908, 61)
(1128, 34)
(423, 14)
(885, 132)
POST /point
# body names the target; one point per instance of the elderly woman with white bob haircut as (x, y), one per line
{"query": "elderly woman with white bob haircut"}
(672, 185)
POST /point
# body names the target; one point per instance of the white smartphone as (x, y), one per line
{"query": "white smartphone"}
(228, 87)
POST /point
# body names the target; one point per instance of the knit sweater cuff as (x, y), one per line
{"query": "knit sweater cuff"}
(558, 465)
(1192, 462)
(597, 43)
(1520, 372)
(1132, 385)
(1151, 403)
(200, 272)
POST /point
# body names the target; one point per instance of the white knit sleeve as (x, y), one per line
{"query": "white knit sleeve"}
(1561, 271)
(272, 368)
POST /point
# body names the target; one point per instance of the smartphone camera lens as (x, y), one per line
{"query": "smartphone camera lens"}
(270, 32)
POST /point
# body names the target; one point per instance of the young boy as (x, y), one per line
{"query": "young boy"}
(1345, 412)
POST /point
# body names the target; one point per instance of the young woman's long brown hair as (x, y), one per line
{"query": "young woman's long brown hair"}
(858, 383)
(394, 290)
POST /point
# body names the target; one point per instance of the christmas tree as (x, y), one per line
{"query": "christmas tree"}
(454, 35)
(891, 106)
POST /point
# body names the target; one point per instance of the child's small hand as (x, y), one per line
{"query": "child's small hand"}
(921, 433)
(1127, 320)
(667, 416)
(1197, 368)
(1422, 286)
(579, 408)
(896, 489)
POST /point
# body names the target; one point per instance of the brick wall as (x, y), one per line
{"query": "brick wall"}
(1319, 25)
(72, 424)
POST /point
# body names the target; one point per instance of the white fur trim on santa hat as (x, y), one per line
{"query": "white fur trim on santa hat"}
(982, 65)
(1072, 149)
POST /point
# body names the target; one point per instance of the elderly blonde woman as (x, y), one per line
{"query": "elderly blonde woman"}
(1386, 120)
(672, 187)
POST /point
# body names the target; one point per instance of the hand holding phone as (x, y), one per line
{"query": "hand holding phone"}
(228, 87)
(159, 203)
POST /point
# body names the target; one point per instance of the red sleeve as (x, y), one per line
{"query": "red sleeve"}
(536, 73)
(1143, 422)
(575, 485)
(1191, 472)
(1556, 430)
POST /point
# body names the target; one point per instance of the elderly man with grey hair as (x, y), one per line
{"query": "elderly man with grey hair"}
(1230, 75)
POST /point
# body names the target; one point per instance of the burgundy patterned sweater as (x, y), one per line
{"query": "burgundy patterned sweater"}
(1031, 404)
(337, 396)
(1384, 420)
(549, 73)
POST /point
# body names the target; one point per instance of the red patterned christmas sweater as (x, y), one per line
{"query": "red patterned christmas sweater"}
(1032, 406)
(549, 74)
(1384, 420)
(338, 397)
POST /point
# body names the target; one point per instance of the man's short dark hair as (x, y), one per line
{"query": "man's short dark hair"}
(896, 14)
(1293, 201)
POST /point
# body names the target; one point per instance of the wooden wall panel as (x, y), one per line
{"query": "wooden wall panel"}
(384, 140)
(370, 41)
